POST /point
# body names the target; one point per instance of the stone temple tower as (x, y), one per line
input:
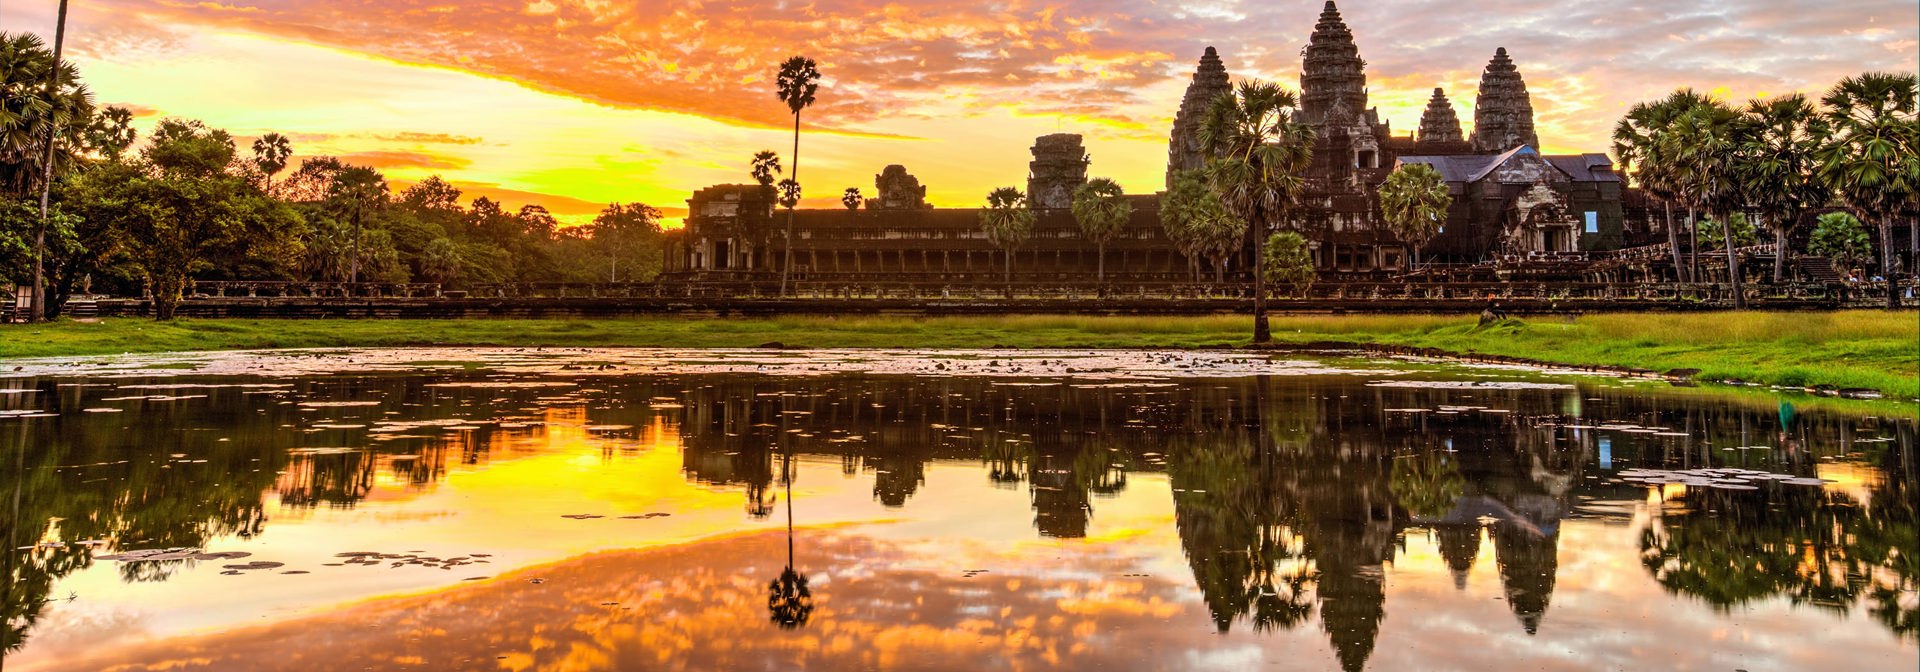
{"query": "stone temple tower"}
(1439, 123)
(1333, 76)
(1209, 81)
(1503, 114)
(1059, 166)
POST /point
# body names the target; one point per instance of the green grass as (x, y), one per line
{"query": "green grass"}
(1849, 349)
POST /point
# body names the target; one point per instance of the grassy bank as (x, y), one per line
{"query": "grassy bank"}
(1850, 349)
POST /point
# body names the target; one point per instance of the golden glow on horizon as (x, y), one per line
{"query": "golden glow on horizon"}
(508, 134)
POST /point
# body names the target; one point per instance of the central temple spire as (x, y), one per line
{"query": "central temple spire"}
(1332, 74)
(1503, 113)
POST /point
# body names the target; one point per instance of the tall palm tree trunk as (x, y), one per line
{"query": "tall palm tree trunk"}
(1780, 252)
(353, 264)
(1673, 243)
(1886, 261)
(1261, 332)
(1101, 265)
(1733, 263)
(39, 310)
(1693, 244)
(787, 260)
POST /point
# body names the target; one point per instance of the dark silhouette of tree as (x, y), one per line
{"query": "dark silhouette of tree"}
(796, 84)
(270, 154)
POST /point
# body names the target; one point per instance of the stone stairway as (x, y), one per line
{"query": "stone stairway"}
(1819, 269)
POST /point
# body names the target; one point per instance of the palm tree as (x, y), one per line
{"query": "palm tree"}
(789, 600)
(28, 114)
(766, 165)
(111, 132)
(1414, 201)
(789, 193)
(357, 192)
(1101, 210)
(1007, 222)
(1868, 160)
(1263, 158)
(57, 108)
(270, 154)
(1779, 168)
(797, 82)
(851, 198)
(1704, 144)
(1637, 144)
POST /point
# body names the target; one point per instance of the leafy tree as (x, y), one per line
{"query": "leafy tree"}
(1263, 158)
(1639, 143)
(433, 196)
(851, 198)
(357, 194)
(1186, 203)
(313, 181)
(1869, 159)
(1742, 233)
(1841, 237)
(798, 80)
(538, 222)
(628, 235)
(1289, 262)
(1007, 222)
(1101, 210)
(184, 203)
(1414, 201)
(1778, 166)
(440, 261)
(270, 154)
(1219, 235)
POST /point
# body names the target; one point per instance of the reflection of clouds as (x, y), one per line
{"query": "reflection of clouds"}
(884, 606)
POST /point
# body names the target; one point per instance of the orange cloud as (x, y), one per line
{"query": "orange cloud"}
(403, 159)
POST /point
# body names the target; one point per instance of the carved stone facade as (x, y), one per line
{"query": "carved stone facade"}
(1059, 166)
(1183, 148)
(1541, 221)
(1333, 77)
(1503, 114)
(896, 189)
(1439, 123)
(1507, 197)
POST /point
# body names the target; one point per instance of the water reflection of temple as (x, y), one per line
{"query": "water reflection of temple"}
(1292, 497)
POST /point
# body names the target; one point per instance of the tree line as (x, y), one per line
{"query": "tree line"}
(1856, 148)
(189, 203)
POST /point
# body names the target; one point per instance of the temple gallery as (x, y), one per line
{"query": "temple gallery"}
(1509, 199)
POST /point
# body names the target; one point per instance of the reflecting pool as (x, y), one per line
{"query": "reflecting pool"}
(653, 509)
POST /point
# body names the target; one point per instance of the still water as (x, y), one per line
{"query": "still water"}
(648, 509)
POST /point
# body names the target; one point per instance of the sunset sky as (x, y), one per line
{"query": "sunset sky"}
(576, 103)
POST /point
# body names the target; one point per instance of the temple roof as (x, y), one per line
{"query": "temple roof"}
(1469, 168)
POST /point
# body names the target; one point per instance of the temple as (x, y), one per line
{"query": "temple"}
(1510, 200)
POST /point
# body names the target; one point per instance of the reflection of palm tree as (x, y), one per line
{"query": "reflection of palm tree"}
(789, 601)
